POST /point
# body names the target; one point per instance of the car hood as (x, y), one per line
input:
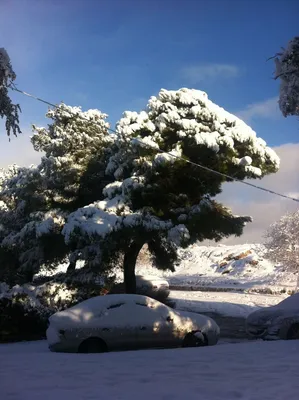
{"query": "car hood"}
(265, 315)
(202, 321)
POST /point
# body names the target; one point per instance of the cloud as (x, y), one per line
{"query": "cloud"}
(264, 109)
(265, 208)
(198, 73)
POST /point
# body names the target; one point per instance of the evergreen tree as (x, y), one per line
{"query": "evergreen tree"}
(37, 200)
(7, 109)
(160, 198)
(287, 70)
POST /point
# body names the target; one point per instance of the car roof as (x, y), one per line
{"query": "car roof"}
(95, 303)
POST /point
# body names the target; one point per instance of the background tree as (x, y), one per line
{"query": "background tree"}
(287, 70)
(36, 200)
(8, 110)
(282, 242)
(163, 200)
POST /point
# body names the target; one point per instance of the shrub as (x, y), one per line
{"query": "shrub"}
(24, 310)
(21, 316)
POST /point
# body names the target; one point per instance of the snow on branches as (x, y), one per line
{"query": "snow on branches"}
(71, 130)
(287, 70)
(282, 242)
(7, 109)
(157, 197)
(74, 146)
(36, 201)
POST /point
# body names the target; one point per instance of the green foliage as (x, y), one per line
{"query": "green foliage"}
(24, 310)
(20, 320)
(8, 110)
(159, 196)
(287, 70)
(37, 200)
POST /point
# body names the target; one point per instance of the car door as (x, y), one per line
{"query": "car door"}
(154, 327)
(169, 332)
(117, 326)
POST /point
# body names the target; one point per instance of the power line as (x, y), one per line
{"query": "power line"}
(169, 153)
(33, 97)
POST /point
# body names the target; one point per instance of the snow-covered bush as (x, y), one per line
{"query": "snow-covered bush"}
(7, 109)
(35, 201)
(24, 310)
(282, 242)
(22, 316)
(159, 198)
(287, 70)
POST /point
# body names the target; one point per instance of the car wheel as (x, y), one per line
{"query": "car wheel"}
(93, 345)
(195, 339)
(293, 332)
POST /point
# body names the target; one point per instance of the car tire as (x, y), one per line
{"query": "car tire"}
(195, 339)
(93, 345)
(293, 332)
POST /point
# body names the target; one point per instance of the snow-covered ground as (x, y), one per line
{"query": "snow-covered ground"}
(239, 267)
(228, 309)
(256, 370)
(231, 304)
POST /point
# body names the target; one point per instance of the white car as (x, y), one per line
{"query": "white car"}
(147, 285)
(277, 322)
(124, 321)
(152, 286)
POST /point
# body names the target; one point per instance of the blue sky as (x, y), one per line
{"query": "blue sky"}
(114, 54)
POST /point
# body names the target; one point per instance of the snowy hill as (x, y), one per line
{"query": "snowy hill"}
(239, 267)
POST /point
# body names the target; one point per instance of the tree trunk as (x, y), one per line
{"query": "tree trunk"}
(73, 258)
(71, 267)
(130, 259)
(28, 276)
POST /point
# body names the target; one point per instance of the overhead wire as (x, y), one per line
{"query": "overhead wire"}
(13, 87)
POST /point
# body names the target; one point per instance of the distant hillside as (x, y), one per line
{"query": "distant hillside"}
(239, 267)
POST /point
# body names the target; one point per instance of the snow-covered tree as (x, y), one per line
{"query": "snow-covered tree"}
(76, 147)
(7, 109)
(287, 70)
(282, 242)
(160, 198)
(36, 200)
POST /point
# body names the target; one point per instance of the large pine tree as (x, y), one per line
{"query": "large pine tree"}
(158, 197)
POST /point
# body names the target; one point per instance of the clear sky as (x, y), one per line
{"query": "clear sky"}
(114, 54)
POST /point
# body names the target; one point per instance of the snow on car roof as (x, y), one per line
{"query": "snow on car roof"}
(125, 310)
(95, 303)
(87, 309)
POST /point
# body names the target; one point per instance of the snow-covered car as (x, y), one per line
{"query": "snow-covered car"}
(147, 285)
(124, 321)
(152, 286)
(276, 322)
